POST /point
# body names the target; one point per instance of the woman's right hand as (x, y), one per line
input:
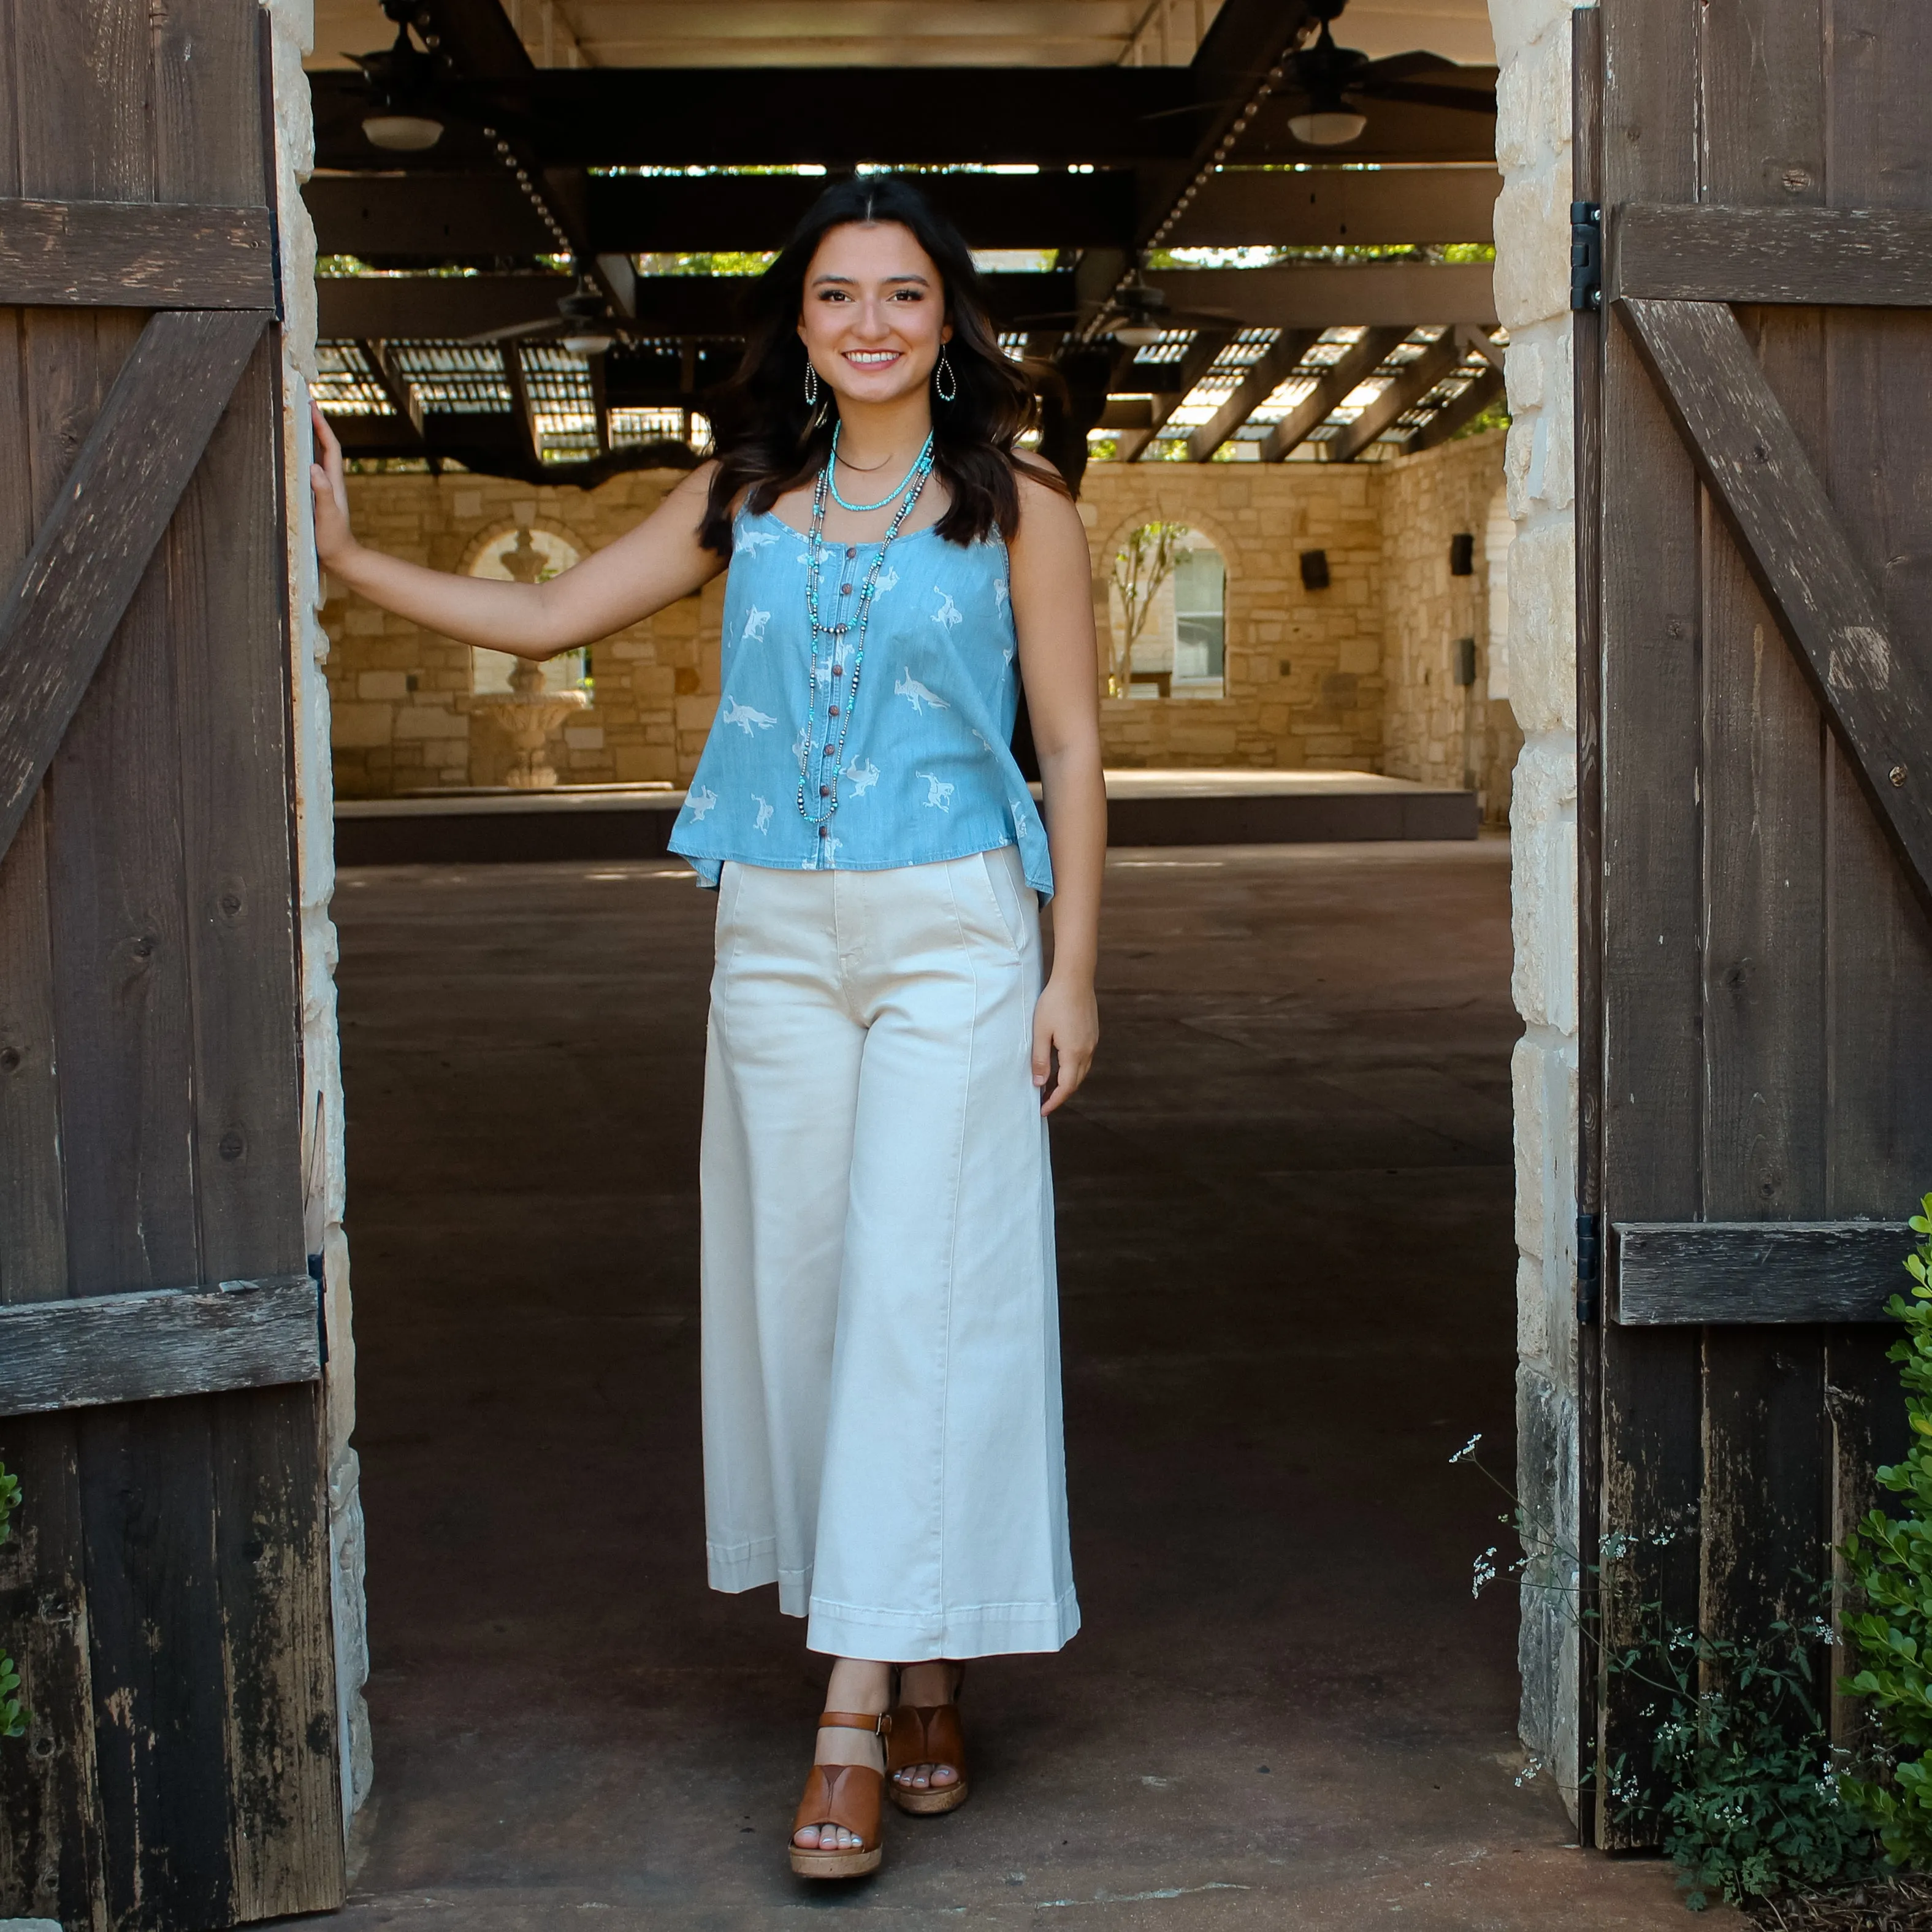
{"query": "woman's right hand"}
(333, 538)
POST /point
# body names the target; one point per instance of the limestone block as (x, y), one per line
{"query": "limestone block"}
(360, 725)
(1525, 365)
(1542, 882)
(584, 737)
(363, 620)
(428, 721)
(1533, 101)
(1518, 24)
(1543, 627)
(390, 685)
(1532, 230)
(695, 713)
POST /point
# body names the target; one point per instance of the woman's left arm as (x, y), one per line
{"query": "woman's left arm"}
(1053, 613)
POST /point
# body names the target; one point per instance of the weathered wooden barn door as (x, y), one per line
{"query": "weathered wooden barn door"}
(167, 1595)
(1755, 534)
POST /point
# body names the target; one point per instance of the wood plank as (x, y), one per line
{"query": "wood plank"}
(1361, 359)
(58, 142)
(56, 622)
(90, 1350)
(50, 1803)
(1766, 1463)
(1878, 374)
(1651, 1398)
(1827, 256)
(1674, 1273)
(1405, 388)
(1877, 696)
(227, 613)
(226, 554)
(135, 255)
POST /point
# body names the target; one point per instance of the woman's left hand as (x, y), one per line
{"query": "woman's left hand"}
(1065, 1023)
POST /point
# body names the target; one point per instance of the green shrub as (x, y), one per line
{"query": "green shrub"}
(1891, 1561)
(1753, 1802)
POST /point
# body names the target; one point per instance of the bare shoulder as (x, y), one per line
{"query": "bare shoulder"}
(1047, 512)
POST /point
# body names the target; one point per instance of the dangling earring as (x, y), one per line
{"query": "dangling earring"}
(811, 384)
(944, 381)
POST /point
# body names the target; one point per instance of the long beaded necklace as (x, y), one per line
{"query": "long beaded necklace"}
(832, 472)
(825, 747)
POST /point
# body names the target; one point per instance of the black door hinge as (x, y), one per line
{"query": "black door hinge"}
(316, 1275)
(1586, 256)
(1589, 1269)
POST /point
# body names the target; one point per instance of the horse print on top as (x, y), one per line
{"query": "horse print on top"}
(899, 756)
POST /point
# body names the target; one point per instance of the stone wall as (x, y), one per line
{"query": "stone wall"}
(1532, 299)
(291, 33)
(1433, 728)
(1304, 667)
(1308, 672)
(402, 694)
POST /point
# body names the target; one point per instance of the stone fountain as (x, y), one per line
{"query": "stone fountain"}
(526, 714)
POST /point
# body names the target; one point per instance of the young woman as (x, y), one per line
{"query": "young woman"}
(881, 1375)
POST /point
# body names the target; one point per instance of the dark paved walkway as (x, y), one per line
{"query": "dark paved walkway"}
(1287, 1283)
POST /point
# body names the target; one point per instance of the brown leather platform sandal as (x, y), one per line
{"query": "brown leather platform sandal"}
(927, 1735)
(842, 1794)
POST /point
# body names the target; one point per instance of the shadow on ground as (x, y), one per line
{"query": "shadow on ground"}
(1287, 1279)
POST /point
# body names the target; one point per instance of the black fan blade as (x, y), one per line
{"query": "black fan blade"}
(1420, 94)
(511, 332)
(1400, 67)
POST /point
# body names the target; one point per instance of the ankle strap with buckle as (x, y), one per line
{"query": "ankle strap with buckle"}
(881, 1725)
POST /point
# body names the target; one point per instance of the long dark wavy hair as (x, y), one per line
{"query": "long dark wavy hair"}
(768, 440)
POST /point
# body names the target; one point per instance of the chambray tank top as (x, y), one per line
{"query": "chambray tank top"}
(926, 772)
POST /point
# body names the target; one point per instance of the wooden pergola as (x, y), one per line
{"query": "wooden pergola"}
(584, 141)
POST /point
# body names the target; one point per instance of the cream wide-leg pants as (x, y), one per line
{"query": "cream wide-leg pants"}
(882, 1410)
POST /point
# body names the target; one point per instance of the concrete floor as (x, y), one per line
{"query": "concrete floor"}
(1287, 1282)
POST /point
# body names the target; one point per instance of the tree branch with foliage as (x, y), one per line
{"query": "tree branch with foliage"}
(1140, 567)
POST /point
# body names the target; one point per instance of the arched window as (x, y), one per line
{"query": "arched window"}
(526, 556)
(1169, 610)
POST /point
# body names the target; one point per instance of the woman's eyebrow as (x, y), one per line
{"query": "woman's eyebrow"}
(852, 281)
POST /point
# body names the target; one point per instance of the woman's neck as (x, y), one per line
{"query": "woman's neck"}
(877, 436)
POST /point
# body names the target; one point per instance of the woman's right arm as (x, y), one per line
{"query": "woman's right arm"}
(654, 565)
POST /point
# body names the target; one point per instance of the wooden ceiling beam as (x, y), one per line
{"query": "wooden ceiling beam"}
(1277, 362)
(396, 307)
(1360, 360)
(1405, 389)
(436, 217)
(1162, 120)
(1195, 360)
(1458, 412)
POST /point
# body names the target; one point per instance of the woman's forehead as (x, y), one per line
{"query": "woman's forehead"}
(872, 251)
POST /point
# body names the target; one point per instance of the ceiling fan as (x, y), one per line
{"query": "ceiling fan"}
(1329, 77)
(401, 116)
(583, 323)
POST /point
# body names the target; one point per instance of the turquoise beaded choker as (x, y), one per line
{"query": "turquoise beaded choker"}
(821, 749)
(925, 456)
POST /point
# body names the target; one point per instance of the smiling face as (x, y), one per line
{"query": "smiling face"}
(875, 314)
